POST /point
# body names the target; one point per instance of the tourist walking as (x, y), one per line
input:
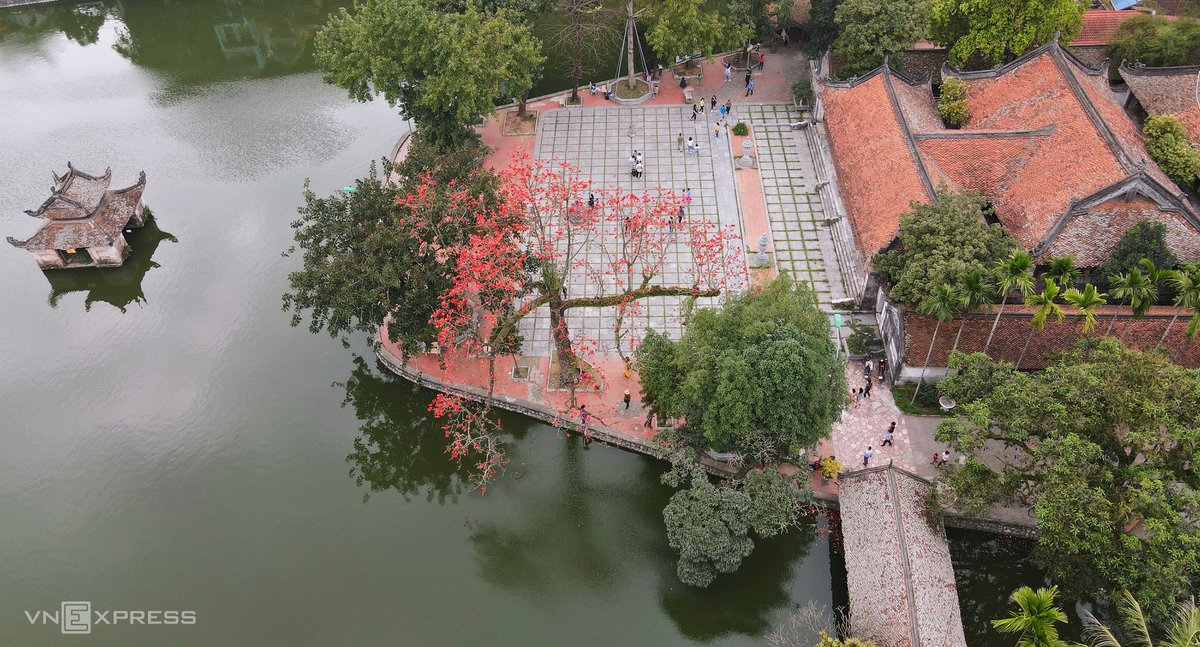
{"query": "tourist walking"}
(626, 399)
(887, 438)
(626, 360)
(762, 58)
(713, 105)
(583, 413)
(698, 147)
(717, 131)
(748, 73)
(691, 146)
(680, 141)
(750, 88)
(722, 118)
(729, 106)
(867, 390)
(945, 458)
(728, 72)
(640, 169)
(695, 111)
(867, 455)
(632, 163)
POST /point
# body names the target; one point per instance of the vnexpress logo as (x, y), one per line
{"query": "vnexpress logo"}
(78, 617)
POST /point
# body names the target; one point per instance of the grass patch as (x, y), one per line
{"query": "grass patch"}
(903, 394)
(623, 91)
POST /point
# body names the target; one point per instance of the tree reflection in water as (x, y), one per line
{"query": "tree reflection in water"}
(117, 286)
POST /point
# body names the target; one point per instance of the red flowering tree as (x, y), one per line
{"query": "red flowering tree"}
(554, 240)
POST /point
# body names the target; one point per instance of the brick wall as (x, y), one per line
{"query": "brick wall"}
(920, 61)
(1014, 328)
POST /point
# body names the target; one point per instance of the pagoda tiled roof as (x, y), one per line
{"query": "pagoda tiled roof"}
(82, 212)
(1045, 135)
(1168, 91)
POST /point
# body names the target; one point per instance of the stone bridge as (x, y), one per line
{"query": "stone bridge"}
(898, 570)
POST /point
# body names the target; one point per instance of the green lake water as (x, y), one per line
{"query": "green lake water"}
(168, 442)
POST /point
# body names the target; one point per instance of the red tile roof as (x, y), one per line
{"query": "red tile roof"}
(1168, 91)
(1099, 24)
(1046, 142)
(82, 212)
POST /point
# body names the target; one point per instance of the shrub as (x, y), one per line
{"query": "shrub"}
(741, 129)
(803, 91)
(830, 467)
(952, 104)
(859, 341)
(928, 395)
(1168, 144)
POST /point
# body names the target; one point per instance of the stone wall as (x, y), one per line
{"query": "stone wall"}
(1014, 329)
(919, 62)
(47, 259)
(112, 255)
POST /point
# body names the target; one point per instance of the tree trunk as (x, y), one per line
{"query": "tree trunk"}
(632, 35)
(958, 336)
(927, 356)
(1113, 320)
(1025, 348)
(561, 335)
(1179, 350)
(1168, 330)
(1127, 327)
(988, 345)
(521, 105)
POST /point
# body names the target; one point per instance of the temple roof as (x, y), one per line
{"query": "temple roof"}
(82, 212)
(1045, 133)
(1168, 91)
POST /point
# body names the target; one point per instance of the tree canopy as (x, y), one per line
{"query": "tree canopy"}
(1147, 239)
(1167, 142)
(685, 28)
(873, 29)
(367, 256)
(445, 70)
(996, 31)
(1103, 445)
(763, 365)
(1155, 41)
(939, 243)
(709, 525)
(822, 29)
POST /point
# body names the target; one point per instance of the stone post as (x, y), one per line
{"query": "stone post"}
(760, 259)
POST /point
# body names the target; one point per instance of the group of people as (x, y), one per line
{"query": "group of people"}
(692, 146)
(636, 166)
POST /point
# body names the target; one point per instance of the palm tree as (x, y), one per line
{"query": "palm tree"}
(1035, 619)
(1046, 307)
(1146, 295)
(944, 303)
(1014, 272)
(1124, 285)
(1062, 269)
(976, 293)
(1182, 627)
(1086, 303)
(1186, 284)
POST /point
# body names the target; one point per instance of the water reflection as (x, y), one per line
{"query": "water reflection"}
(79, 22)
(400, 446)
(987, 570)
(117, 286)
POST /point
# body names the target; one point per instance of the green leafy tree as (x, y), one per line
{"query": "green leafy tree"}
(445, 70)
(1035, 618)
(1012, 273)
(822, 28)
(1185, 282)
(1046, 308)
(708, 526)
(1086, 304)
(1145, 294)
(774, 501)
(995, 31)
(1180, 629)
(945, 303)
(1062, 269)
(1125, 287)
(938, 243)
(952, 103)
(1155, 41)
(366, 257)
(1102, 445)
(1167, 143)
(764, 364)
(977, 293)
(870, 30)
(685, 28)
(1147, 239)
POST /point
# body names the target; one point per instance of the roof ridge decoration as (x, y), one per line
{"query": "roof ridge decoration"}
(1138, 69)
(908, 135)
(1044, 131)
(140, 184)
(1130, 186)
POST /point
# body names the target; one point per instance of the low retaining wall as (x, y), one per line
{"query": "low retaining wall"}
(996, 526)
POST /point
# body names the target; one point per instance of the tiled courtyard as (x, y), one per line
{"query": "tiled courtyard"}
(803, 243)
(599, 141)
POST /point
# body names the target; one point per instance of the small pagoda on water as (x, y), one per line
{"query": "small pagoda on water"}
(85, 221)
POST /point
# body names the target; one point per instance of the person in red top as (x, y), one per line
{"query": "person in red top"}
(762, 58)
